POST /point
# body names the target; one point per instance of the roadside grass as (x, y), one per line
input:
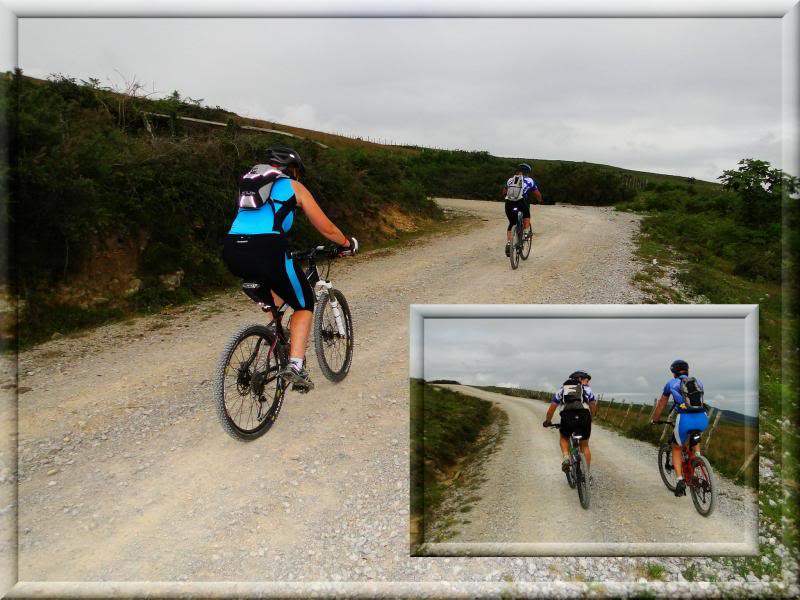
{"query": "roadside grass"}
(450, 434)
(73, 320)
(691, 272)
(655, 571)
(730, 443)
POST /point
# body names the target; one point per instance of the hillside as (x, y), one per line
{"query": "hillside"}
(120, 203)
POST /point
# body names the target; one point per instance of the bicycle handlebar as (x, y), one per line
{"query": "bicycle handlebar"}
(330, 251)
(663, 423)
(554, 425)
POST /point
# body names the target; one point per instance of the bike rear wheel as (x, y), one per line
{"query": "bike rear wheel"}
(665, 467)
(334, 350)
(247, 391)
(703, 489)
(515, 243)
(527, 242)
(582, 477)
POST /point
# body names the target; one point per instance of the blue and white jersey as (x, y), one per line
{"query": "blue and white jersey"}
(588, 395)
(528, 185)
(275, 217)
(673, 388)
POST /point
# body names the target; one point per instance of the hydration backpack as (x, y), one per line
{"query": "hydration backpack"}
(515, 188)
(255, 186)
(573, 397)
(692, 392)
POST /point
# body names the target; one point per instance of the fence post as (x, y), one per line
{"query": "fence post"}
(746, 464)
(639, 416)
(717, 415)
(664, 431)
(625, 418)
(608, 408)
(599, 403)
(621, 406)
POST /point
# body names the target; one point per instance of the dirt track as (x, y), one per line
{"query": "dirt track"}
(125, 473)
(526, 500)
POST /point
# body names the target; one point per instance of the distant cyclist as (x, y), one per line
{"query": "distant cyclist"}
(578, 405)
(691, 413)
(256, 246)
(517, 195)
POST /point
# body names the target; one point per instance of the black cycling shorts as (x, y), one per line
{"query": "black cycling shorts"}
(265, 260)
(576, 421)
(512, 208)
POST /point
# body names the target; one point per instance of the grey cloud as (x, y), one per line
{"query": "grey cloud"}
(683, 96)
(627, 357)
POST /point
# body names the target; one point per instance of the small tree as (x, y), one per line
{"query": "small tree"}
(760, 188)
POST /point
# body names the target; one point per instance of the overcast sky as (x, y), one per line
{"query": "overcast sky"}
(627, 358)
(682, 96)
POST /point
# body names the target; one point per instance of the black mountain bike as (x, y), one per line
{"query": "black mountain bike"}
(521, 240)
(578, 474)
(248, 392)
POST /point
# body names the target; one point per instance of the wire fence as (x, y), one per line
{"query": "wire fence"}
(732, 447)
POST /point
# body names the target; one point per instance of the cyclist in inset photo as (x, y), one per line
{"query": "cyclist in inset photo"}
(577, 404)
(687, 395)
(517, 193)
(256, 247)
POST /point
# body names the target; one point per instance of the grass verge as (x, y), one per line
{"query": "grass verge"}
(449, 431)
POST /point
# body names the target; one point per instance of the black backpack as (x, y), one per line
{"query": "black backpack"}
(573, 397)
(692, 392)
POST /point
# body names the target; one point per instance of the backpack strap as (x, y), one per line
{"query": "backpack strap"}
(282, 205)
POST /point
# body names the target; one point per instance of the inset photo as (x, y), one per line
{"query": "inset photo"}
(617, 430)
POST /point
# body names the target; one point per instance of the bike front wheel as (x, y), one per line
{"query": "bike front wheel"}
(582, 481)
(527, 242)
(571, 478)
(703, 489)
(333, 335)
(248, 393)
(665, 467)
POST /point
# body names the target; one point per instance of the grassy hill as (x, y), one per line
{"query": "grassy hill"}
(120, 203)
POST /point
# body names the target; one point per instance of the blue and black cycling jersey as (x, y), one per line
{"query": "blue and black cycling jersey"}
(256, 247)
(274, 217)
(685, 421)
(673, 388)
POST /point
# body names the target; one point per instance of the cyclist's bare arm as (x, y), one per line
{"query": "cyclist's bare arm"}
(659, 407)
(538, 195)
(593, 407)
(550, 411)
(318, 218)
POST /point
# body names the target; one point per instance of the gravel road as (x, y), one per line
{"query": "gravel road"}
(527, 505)
(125, 474)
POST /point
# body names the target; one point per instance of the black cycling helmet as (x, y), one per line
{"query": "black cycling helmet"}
(285, 157)
(679, 366)
(580, 375)
(524, 167)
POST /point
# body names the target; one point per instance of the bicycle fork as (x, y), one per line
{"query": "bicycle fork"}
(326, 287)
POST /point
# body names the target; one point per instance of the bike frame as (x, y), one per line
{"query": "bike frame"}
(687, 456)
(321, 286)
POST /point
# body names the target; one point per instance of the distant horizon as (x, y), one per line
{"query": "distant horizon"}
(605, 396)
(627, 358)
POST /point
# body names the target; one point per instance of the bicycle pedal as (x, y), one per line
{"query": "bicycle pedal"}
(302, 389)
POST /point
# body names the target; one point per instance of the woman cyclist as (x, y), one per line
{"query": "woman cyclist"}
(256, 247)
(688, 418)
